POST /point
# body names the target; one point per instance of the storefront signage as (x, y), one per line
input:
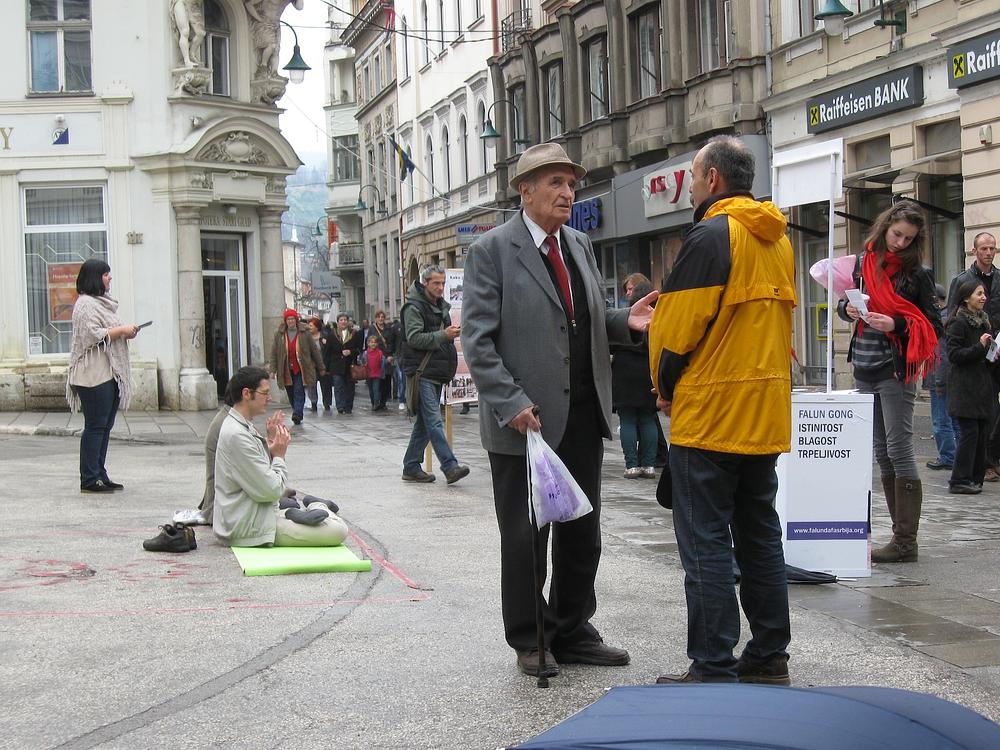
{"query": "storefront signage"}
(62, 290)
(226, 221)
(586, 216)
(469, 233)
(47, 135)
(974, 61)
(873, 97)
(667, 190)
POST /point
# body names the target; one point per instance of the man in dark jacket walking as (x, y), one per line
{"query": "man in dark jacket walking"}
(429, 346)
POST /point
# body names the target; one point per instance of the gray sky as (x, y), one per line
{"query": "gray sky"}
(303, 102)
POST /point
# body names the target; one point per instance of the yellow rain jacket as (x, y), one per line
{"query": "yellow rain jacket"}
(720, 341)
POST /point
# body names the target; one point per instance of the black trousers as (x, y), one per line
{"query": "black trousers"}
(576, 545)
(970, 451)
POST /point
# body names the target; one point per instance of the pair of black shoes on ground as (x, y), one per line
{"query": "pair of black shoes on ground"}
(173, 537)
(102, 485)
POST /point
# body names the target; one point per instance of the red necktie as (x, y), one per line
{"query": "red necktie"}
(562, 275)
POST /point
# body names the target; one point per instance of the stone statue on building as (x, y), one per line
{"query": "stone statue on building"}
(187, 18)
(264, 27)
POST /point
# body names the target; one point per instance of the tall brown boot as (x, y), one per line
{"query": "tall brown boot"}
(909, 497)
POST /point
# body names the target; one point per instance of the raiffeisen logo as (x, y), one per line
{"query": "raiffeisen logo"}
(980, 62)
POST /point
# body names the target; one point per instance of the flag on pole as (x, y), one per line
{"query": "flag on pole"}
(406, 165)
(390, 17)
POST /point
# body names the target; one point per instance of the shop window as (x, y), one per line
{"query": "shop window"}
(345, 159)
(710, 33)
(59, 44)
(946, 230)
(553, 101)
(596, 78)
(942, 137)
(813, 313)
(64, 226)
(645, 33)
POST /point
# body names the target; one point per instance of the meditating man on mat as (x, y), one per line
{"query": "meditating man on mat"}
(250, 475)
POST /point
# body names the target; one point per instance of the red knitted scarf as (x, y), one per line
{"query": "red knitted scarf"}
(921, 350)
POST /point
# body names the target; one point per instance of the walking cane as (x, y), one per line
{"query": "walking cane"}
(537, 556)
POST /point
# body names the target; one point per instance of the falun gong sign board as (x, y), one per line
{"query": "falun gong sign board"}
(867, 99)
(974, 61)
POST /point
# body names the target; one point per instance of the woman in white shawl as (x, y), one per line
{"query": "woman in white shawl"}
(100, 377)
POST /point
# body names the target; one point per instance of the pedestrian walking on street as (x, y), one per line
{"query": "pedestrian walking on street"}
(535, 338)
(429, 360)
(385, 336)
(100, 375)
(969, 337)
(324, 384)
(890, 348)
(984, 249)
(936, 382)
(343, 348)
(720, 358)
(296, 361)
(632, 396)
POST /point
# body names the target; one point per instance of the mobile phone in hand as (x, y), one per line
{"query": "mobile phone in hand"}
(143, 325)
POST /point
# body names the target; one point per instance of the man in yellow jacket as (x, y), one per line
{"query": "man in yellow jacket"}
(719, 348)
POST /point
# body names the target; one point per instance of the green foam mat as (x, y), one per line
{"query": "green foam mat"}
(278, 561)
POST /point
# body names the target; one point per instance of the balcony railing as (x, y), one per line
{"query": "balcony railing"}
(512, 27)
(349, 255)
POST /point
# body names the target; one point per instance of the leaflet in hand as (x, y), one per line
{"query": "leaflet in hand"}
(860, 302)
(992, 350)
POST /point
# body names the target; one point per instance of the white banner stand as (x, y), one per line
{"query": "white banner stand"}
(824, 483)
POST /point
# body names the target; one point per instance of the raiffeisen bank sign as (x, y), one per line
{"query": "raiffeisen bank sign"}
(867, 99)
(974, 61)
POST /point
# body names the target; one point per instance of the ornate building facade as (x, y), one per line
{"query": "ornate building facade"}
(145, 134)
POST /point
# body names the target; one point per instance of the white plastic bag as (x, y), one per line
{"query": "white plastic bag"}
(552, 491)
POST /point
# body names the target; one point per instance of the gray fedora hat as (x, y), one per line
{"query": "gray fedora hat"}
(543, 155)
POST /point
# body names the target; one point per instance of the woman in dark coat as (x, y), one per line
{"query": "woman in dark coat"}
(632, 397)
(969, 387)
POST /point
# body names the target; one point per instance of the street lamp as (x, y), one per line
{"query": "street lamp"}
(361, 206)
(490, 133)
(832, 15)
(296, 67)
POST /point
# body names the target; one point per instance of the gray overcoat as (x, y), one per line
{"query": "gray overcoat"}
(515, 337)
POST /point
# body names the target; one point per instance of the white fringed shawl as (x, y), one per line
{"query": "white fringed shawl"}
(92, 317)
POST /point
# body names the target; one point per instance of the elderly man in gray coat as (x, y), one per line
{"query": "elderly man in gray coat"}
(535, 335)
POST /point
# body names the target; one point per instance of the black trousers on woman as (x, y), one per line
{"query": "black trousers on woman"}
(970, 451)
(576, 545)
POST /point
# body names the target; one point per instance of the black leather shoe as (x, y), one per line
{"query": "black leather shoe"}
(527, 662)
(592, 652)
(963, 488)
(97, 486)
(113, 485)
(296, 420)
(938, 465)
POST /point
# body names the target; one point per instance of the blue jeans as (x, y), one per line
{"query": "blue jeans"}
(99, 405)
(400, 383)
(428, 427)
(638, 427)
(375, 392)
(945, 428)
(296, 395)
(716, 494)
(343, 392)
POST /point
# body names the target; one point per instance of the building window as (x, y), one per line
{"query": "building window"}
(477, 9)
(458, 17)
(463, 138)
(596, 78)
(441, 24)
(518, 130)
(411, 177)
(376, 75)
(480, 125)
(345, 159)
(382, 178)
(366, 76)
(429, 162)
(446, 160)
(425, 42)
(553, 100)
(404, 55)
(807, 23)
(217, 48)
(372, 180)
(646, 45)
(59, 43)
(390, 70)
(711, 48)
(64, 226)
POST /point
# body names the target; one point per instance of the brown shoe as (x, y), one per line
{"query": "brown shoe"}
(420, 476)
(991, 475)
(592, 652)
(688, 678)
(527, 663)
(773, 671)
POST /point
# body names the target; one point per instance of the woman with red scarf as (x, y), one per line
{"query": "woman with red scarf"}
(890, 349)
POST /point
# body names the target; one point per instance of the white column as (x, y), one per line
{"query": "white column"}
(272, 278)
(197, 386)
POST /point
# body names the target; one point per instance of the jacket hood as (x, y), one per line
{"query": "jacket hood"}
(762, 219)
(417, 293)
